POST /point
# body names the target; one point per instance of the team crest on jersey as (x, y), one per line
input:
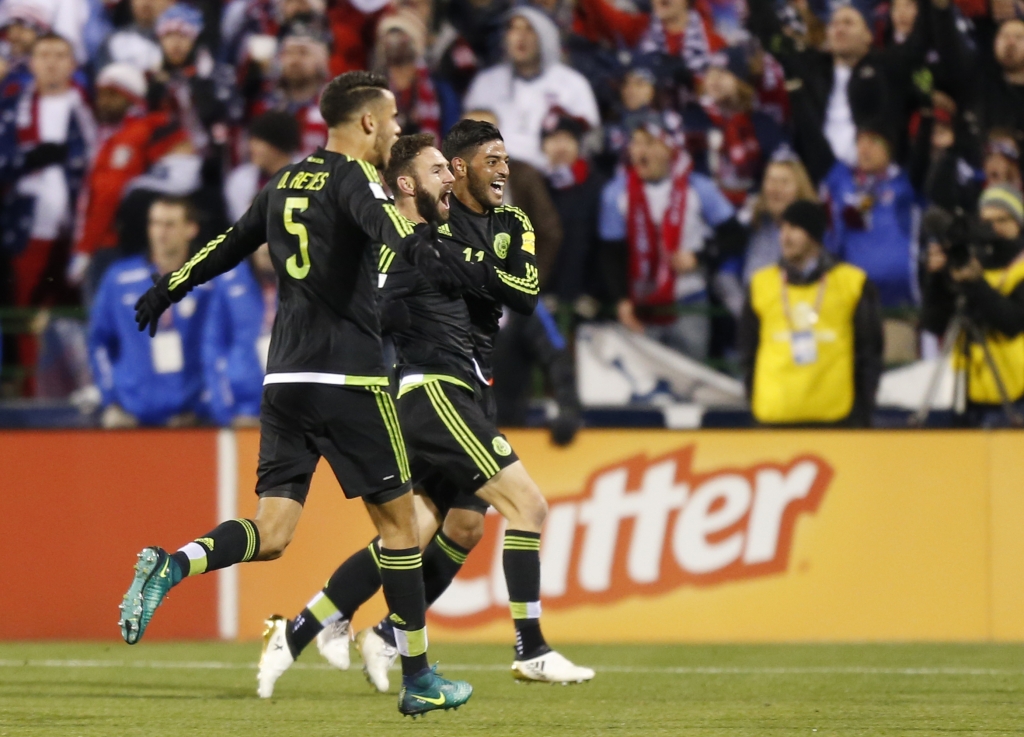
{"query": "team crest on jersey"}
(501, 244)
(500, 445)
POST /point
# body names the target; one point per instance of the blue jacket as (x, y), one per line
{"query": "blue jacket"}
(884, 245)
(153, 379)
(231, 356)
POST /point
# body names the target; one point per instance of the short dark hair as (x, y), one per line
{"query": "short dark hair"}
(347, 93)
(466, 137)
(185, 203)
(406, 149)
(51, 36)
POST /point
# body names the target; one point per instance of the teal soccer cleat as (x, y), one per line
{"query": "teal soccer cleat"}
(430, 692)
(155, 574)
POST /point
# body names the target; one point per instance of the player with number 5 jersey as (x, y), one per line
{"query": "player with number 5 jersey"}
(325, 388)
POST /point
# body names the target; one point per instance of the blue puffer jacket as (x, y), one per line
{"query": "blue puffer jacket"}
(152, 378)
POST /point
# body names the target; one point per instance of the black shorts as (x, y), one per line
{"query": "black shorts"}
(454, 443)
(355, 428)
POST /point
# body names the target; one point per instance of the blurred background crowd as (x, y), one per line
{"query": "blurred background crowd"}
(655, 144)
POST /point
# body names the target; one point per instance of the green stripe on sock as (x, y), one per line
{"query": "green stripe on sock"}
(196, 566)
(451, 552)
(250, 539)
(518, 609)
(415, 641)
(323, 608)
(373, 551)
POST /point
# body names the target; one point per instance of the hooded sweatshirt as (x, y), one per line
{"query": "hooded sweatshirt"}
(521, 104)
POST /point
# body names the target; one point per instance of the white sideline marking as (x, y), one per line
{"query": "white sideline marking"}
(626, 669)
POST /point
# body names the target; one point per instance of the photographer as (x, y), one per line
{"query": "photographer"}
(983, 263)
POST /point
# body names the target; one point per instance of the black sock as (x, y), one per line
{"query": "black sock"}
(351, 586)
(521, 559)
(231, 542)
(442, 560)
(401, 573)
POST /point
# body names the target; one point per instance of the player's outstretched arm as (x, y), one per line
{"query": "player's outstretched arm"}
(218, 256)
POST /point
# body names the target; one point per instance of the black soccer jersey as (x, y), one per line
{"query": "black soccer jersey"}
(322, 218)
(503, 238)
(439, 337)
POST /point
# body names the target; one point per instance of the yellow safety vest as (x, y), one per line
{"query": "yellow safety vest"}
(1007, 353)
(814, 388)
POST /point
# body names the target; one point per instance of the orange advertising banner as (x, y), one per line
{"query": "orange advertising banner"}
(662, 536)
(75, 508)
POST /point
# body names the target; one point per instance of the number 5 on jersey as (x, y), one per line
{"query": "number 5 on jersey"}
(295, 269)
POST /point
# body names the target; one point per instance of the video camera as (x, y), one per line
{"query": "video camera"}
(964, 236)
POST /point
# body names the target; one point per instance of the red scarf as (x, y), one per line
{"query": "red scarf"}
(652, 279)
(735, 165)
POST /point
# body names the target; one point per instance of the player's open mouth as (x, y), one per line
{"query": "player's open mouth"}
(443, 202)
(498, 186)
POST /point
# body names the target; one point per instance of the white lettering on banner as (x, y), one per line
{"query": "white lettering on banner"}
(647, 526)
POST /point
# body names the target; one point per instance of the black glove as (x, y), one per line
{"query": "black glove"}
(44, 155)
(152, 304)
(565, 426)
(394, 316)
(421, 250)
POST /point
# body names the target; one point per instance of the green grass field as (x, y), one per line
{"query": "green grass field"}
(208, 690)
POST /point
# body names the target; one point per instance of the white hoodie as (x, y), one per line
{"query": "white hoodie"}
(522, 104)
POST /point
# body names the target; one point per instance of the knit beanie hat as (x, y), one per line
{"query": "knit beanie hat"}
(808, 216)
(1006, 198)
(123, 77)
(279, 129)
(180, 18)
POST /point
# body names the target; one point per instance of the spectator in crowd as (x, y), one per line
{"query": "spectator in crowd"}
(873, 210)
(785, 181)
(273, 143)
(66, 18)
(521, 90)
(21, 25)
(136, 43)
(1000, 90)
(576, 192)
(992, 286)
(237, 340)
(1002, 159)
(303, 63)
(143, 380)
(674, 35)
(426, 104)
(523, 342)
(448, 53)
(637, 92)
(47, 134)
(729, 139)
(655, 219)
(837, 91)
(194, 87)
(134, 141)
(810, 336)
(527, 190)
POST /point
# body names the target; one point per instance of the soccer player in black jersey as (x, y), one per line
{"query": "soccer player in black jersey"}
(459, 458)
(325, 388)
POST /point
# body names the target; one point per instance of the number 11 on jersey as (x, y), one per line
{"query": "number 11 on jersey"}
(295, 269)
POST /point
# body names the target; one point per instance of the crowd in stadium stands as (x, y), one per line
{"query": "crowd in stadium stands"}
(656, 144)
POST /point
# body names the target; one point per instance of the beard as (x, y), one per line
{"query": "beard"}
(428, 206)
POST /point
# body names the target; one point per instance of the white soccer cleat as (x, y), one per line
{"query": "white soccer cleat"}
(551, 667)
(378, 657)
(276, 658)
(332, 642)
